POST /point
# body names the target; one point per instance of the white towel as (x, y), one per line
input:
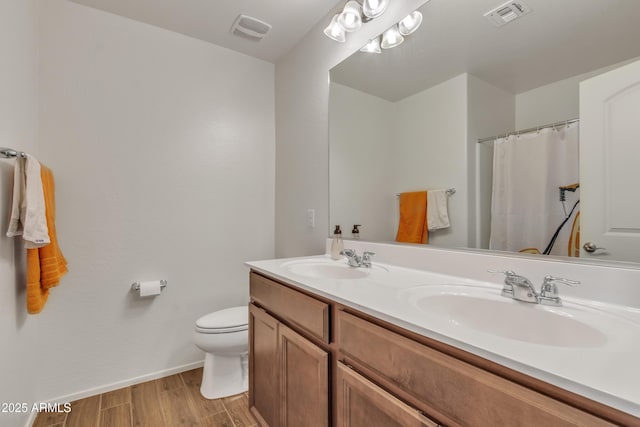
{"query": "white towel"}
(19, 203)
(437, 214)
(28, 211)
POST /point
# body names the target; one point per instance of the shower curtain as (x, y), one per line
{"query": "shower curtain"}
(525, 208)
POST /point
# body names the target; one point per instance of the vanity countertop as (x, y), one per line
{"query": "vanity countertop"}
(603, 368)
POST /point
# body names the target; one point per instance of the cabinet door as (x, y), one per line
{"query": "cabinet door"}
(263, 366)
(361, 403)
(304, 381)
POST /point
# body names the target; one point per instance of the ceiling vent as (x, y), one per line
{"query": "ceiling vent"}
(250, 28)
(507, 12)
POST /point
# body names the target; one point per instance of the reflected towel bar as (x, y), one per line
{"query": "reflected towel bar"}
(10, 153)
(449, 191)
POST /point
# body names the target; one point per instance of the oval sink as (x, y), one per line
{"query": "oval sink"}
(509, 319)
(325, 269)
(484, 310)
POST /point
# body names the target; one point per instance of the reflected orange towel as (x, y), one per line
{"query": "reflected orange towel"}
(45, 265)
(412, 227)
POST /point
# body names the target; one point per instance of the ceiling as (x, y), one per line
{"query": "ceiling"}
(558, 39)
(211, 20)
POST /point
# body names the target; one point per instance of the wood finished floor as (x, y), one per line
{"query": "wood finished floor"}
(170, 401)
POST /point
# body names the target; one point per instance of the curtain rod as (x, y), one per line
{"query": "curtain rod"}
(535, 129)
(10, 153)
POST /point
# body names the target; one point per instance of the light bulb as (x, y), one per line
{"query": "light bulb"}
(350, 19)
(334, 31)
(374, 8)
(391, 38)
(372, 47)
(410, 23)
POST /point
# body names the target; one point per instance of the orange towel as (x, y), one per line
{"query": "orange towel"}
(45, 265)
(413, 218)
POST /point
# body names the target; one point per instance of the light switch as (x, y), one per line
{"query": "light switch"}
(311, 218)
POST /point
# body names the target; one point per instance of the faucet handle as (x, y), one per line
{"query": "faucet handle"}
(348, 252)
(366, 258)
(507, 273)
(549, 294)
(549, 288)
(551, 279)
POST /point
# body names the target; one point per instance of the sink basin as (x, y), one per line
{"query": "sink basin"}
(484, 310)
(325, 269)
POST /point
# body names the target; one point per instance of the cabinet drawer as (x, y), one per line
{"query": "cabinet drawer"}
(461, 392)
(362, 403)
(292, 306)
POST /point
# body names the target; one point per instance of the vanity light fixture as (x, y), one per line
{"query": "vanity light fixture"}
(374, 8)
(391, 38)
(373, 46)
(410, 23)
(394, 36)
(352, 16)
(350, 19)
(334, 31)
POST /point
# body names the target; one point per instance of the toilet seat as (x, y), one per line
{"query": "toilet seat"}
(234, 319)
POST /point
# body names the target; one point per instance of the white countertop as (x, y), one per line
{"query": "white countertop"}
(607, 373)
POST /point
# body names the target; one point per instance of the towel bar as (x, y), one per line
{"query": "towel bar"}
(135, 286)
(10, 153)
(449, 191)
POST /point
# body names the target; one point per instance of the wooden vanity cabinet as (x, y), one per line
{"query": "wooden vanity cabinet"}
(314, 362)
(288, 372)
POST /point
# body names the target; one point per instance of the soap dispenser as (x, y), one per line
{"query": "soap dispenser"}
(336, 244)
(355, 233)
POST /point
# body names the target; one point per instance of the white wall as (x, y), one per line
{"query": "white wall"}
(19, 130)
(361, 171)
(430, 149)
(163, 152)
(302, 103)
(554, 102)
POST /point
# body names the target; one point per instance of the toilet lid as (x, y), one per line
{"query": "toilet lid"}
(223, 321)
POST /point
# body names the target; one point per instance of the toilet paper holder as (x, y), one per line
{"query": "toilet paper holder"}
(135, 286)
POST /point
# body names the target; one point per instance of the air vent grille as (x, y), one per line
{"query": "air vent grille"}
(250, 28)
(507, 12)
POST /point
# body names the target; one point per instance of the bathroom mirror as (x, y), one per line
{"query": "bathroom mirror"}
(410, 118)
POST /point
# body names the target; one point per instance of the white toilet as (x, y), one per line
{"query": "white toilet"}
(224, 337)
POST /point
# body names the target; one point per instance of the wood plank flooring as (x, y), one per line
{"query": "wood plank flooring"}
(169, 402)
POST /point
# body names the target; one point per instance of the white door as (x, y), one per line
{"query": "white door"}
(610, 164)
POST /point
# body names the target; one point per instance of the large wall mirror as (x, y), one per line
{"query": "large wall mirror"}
(410, 118)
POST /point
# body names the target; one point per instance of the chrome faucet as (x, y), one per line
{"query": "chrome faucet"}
(520, 288)
(517, 287)
(358, 261)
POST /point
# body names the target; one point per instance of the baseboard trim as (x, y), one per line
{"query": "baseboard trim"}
(31, 419)
(120, 384)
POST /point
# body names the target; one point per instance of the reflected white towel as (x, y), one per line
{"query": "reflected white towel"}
(28, 211)
(19, 203)
(437, 214)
